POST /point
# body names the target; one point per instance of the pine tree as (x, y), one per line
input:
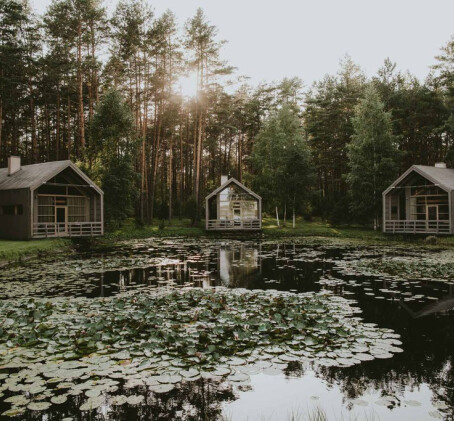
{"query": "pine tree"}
(282, 162)
(372, 157)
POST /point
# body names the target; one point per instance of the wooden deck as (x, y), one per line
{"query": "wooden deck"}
(233, 225)
(417, 227)
(69, 229)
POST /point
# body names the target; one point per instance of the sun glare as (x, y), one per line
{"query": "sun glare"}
(187, 85)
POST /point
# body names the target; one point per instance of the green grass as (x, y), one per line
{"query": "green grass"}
(325, 229)
(319, 228)
(16, 250)
(178, 227)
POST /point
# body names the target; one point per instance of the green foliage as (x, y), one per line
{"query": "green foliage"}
(190, 210)
(16, 250)
(111, 152)
(373, 157)
(112, 127)
(119, 182)
(282, 163)
(330, 106)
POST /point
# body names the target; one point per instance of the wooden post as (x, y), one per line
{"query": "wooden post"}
(207, 214)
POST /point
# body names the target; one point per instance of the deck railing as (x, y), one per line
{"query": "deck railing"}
(417, 227)
(69, 229)
(237, 224)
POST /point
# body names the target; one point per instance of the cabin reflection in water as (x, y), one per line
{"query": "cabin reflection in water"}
(443, 305)
(239, 265)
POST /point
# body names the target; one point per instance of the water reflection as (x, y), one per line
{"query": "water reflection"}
(416, 384)
(239, 265)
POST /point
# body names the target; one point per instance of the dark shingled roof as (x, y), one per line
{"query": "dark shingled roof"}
(32, 176)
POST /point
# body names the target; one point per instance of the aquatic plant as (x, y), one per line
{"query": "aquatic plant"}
(53, 348)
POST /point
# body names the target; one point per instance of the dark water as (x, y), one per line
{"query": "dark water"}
(417, 384)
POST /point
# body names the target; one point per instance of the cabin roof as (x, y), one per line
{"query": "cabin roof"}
(443, 177)
(32, 176)
(240, 185)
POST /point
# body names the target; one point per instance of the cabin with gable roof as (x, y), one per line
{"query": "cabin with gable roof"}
(232, 206)
(52, 199)
(420, 201)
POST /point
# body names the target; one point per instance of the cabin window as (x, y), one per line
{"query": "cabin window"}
(12, 210)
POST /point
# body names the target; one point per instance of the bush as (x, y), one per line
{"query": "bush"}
(431, 239)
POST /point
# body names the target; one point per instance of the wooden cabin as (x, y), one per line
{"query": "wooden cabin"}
(232, 206)
(420, 201)
(53, 199)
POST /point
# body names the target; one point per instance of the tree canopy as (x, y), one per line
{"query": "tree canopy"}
(372, 156)
(77, 82)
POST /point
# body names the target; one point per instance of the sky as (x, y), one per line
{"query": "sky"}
(272, 39)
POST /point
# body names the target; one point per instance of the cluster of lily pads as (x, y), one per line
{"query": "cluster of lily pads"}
(424, 268)
(51, 349)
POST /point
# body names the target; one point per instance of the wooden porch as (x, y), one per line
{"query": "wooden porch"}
(417, 227)
(233, 225)
(68, 229)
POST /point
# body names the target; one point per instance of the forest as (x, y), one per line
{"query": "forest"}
(104, 90)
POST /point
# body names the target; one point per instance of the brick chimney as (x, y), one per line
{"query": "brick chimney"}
(13, 164)
(224, 179)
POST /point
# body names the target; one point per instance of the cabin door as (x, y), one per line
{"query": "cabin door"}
(61, 219)
(432, 215)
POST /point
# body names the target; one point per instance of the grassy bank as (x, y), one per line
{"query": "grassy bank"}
(16, 250)
(270, 230)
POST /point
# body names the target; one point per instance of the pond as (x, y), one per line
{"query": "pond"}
(395, 363)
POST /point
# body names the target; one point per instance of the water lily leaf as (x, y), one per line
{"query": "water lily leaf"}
(58, 400)
(192, 372)
(92, 403)
(118, 400)
(18, 400)
(39, 406)
(13, 412)
(135, 399)
(162, 388)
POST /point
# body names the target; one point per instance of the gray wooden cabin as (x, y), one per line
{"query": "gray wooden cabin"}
(53, 199)
(420, 201)
(232, 206)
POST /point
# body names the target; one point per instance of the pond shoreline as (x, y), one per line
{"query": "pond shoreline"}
(16, 251)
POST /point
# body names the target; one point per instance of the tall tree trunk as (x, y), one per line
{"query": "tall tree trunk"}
(57, 129)
(47, 128)
(170, 178)
(33, 129)
(294, 214)
(68, 128)
(240, 157)
(181, 167)
(1, 129)
(80, 89)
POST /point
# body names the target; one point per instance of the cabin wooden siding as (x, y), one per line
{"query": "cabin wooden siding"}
(436, 186)
(226, 219)
(83, 202)
(15, 226)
